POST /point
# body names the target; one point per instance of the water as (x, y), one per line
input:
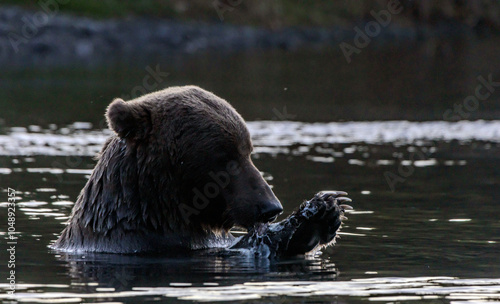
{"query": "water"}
(425, 226)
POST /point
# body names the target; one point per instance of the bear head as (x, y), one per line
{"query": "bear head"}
(191, 152)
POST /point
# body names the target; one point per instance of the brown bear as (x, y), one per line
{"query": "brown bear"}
(177, 176)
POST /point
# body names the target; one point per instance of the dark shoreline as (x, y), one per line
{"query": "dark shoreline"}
(60, 39)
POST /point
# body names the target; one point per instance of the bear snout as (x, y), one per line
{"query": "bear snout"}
(254, 207)
(270, 211)
(250, 198)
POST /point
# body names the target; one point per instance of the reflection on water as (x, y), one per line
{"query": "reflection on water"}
(401, 82)
(426, 192)
(268, 137)
(421, 289)
(440, 219)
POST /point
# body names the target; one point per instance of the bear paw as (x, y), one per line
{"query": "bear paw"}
(318, 221)
(312, 226)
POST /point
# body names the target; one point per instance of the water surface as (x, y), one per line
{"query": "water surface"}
(426, 191)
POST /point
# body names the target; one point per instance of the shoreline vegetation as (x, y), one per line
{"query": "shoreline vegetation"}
(68, 31)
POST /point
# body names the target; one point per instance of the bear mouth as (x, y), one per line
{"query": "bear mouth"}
(271, 219)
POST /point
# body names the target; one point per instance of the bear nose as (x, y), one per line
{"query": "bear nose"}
(270, 212)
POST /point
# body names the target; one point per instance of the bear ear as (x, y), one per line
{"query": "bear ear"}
(122, 117)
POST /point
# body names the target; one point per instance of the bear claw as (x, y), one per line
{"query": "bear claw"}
(334, 193)
(346, 207)
(344, 199)
(337, 197)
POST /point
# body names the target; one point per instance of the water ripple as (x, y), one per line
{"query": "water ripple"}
(372, 289)
(268, 136)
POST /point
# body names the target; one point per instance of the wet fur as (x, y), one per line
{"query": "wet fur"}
(166, 144)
